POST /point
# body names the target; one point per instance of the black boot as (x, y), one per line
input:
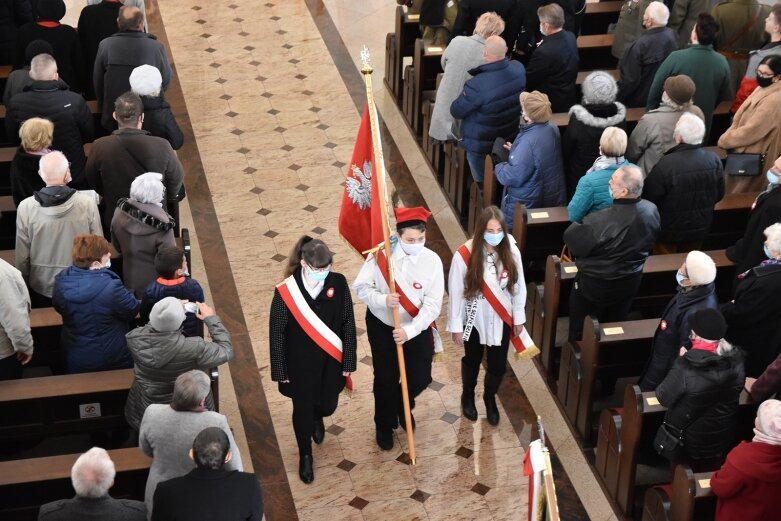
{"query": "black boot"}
(489, 397)
(385, 438)
(403, 423)
(469, 381)
(319, 432)
(305, 470)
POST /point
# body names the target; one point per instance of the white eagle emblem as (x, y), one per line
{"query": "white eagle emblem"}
(359, 186)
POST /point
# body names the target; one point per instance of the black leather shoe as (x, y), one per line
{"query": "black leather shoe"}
(305, 470)
(468, 406)
(319, 433)
(385, 438)
(403, 423)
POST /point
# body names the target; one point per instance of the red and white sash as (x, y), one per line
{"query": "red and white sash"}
(502, 305)
(312, 325)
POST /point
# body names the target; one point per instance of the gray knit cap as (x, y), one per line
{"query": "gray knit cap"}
(599, 87)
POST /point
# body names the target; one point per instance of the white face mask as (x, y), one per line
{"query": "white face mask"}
(412, 249)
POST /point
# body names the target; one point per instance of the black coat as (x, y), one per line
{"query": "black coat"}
(13, 15)
(639, 63)
(206, 495)
(67, 110)
(296, 357)
(754, 316)
(96, 23)
(160, 122)
(673, 331)
(511, 11)
(580, 143)
(553, 69)
(67, 51)
(685, 185)
(24, 176)
(702, 390)
(749, 250)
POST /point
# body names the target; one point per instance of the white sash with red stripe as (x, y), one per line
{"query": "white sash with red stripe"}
(503, 307)
(312, 325)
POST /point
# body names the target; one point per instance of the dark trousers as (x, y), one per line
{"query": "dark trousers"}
(418, 354)
(604, 300)
(10, 368)
(39, 301)
(305, 412)
(497, 355)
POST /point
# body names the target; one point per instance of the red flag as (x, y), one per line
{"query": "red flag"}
(359, 219)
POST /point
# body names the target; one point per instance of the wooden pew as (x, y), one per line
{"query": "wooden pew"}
(27, 484)
(594, 51)
(599, 15)
(419, 77)
(456, 179)
(626, 438)
(398, 45)
(612, 350)
(688, 498)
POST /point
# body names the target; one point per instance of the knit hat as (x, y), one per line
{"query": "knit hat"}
(50, 10)
(167, 314)
(145, 80)
(599, 87)
(700, 268)
(708, 323)
(536, 106)
(680, 89)
(767, 428)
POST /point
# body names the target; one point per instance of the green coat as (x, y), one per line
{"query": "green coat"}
(709, 71)
(629, 26)
(733, 17)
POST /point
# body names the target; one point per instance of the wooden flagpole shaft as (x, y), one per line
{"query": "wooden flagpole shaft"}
(379, 170)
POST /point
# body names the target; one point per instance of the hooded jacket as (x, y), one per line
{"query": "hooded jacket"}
(161, 356)
(701, 393)
(580, 143)
(95, 309)
(138, 230)
(46, 225)
(747, 485)
(673, 331)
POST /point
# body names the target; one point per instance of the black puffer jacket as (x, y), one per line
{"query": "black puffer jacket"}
(702, 390)
(67, 110)
(13, 14)
(580, 143)
(613, 243)
(160, 122)
(685, 185)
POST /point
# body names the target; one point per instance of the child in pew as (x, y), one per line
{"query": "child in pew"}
(173, 281)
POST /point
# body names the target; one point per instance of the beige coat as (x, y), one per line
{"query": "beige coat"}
(15, 334)
(755, 130)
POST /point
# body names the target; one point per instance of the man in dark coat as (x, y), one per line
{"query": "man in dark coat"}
(766, 210)
(685, 185)
(13, 14)
(696, 291)
(489, 105)
(209, 492)
(643, 56)
(48, 97)
(553, 67)
(116, 160)
(119, 54)
(96, 23)
(92, 477)
(753, 317)
(610, 248)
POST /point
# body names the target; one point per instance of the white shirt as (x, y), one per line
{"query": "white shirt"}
(487, 322)
(424, 282)
(315, 290)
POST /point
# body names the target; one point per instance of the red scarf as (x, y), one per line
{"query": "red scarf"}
(705, 345)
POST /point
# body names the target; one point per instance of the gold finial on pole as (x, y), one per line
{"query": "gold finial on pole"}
(366, 66)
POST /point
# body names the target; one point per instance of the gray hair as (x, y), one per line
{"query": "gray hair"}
(489, 24)
(93, 473)
(210, 448)
(190, 389)
(53, 166)
(773, 234)
(690, 128)
(551, 14)
(658, 12)
(43, 67)
(631, 178)
(148, 188)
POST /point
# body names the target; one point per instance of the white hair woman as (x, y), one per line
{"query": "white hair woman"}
(139, 228)
(147, 82)
(167, 431)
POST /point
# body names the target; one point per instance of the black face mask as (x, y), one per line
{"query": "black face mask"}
(764, 82)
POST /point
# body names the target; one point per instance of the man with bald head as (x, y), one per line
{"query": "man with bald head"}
(610, 248)
(489, 106)
(46, 224)
(119, 54)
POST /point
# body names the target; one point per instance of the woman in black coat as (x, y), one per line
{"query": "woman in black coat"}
(36, 135)
(312, 341)
(701, 393)
(146, 81)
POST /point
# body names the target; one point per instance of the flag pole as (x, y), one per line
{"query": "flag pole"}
(379, 167)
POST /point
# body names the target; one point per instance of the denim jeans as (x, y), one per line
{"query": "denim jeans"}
(476, 162)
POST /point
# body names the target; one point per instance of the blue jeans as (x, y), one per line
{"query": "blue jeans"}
(476, 162)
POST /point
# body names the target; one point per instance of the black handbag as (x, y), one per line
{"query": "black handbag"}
(744, 164)
(669, 442)
(498, 153)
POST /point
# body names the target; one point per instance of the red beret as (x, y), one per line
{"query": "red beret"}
(411, 216)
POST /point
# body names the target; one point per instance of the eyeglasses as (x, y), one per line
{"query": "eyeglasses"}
(764, 74)
(489, 257)
(318, 270)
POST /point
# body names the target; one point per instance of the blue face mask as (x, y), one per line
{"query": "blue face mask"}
(317, 276)
(767, 252)
(108, 264)
(772, 177)
(679, 278)
(412, 249)
(610, 191)
(493, 238)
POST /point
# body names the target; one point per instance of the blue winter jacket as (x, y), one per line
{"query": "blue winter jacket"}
(490, 106)
(592, 193)
(95, 309)
(534, 174)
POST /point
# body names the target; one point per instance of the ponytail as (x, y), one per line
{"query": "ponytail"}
(294, 260)
(313, 251)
